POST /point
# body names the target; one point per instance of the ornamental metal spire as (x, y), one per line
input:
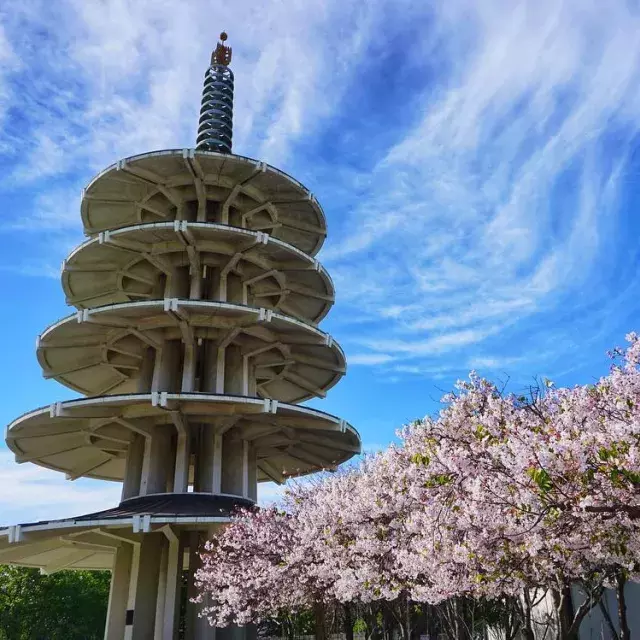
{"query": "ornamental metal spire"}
(215, 128)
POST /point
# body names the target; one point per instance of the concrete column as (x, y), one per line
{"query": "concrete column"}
(133, 468)
(234, 465)
(189, 363)
(252, 387)
(183, 457)
(235, 290)
(204, 465)
(252, 473)
(196, 437)
(217, 464)
(239, 472)
(170, 472)
(173, 586)
(209, 455)
(195, 284)
(119, 593)
(210, 368)
(162, 593)
(178, 284)
(145, 379)
(207, 471)
(157, 461)
(131, 602)
(197, 628)
(234, 370)
(166, 373)
(144, 616)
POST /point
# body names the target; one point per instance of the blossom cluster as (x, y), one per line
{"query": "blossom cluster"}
(497, 494)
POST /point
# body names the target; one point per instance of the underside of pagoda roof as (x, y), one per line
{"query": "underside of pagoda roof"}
(102, 350)
(184, 183)
(91, 437)
(127, 264)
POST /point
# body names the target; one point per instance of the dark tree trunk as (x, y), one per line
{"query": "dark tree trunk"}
(621, 581)
(371, 618)
(569, 620)
(320, 620)
(607, 617)
(348, 622)
(459, 626)
(407, 619)
(527, 627)
(387, 621)
(562, 613)
(402, 612)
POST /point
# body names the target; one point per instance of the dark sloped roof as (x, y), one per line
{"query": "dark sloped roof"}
(166, 504)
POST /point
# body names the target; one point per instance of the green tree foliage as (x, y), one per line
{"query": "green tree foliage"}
(68, 605)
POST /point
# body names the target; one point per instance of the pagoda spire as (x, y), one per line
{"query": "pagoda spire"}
(215, 128)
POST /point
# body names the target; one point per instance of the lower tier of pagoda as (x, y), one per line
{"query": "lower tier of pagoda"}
(89, 541)
(159, 442)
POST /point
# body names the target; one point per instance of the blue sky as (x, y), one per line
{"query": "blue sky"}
(477, 161)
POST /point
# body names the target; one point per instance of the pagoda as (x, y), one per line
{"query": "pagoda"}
(194, 338)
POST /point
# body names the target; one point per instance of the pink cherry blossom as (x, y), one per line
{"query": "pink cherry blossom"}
(494, 496)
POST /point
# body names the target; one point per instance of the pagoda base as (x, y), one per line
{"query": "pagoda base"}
(151, 544)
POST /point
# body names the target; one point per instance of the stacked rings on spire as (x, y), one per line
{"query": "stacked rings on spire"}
(215, 128)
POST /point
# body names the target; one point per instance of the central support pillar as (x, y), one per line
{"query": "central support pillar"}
(158, 459)
(133, 469)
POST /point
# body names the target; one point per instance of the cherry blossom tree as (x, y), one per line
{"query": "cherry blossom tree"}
(496, 496)
(530, 491)
(244, 575)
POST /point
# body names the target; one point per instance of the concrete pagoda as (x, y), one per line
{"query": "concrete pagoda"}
(194, 338)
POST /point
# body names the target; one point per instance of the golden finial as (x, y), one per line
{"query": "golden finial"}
(222, 53)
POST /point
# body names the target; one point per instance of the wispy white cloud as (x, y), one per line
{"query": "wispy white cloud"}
(35, 269)
(370, 358)
(491, 363)
(55, 209)
(31, 493)
(412, 348)
(122, 78)
(489, 202)
(501, 198)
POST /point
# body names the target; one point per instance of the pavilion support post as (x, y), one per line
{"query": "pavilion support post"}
(162, 593)
(144, 616)
(119, 593)
(175, 554)
(197, 628)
